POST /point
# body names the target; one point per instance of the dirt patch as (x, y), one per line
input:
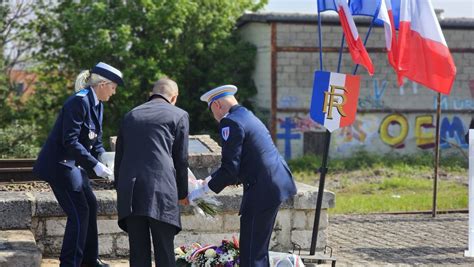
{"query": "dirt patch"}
(336, 181)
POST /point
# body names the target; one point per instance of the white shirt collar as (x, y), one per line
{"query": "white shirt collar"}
(96, 100)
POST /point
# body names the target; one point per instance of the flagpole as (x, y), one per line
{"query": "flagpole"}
(340, 52)
(436, 161)
(323, 170)
(320, 42)
(327, 138)
(317, 215)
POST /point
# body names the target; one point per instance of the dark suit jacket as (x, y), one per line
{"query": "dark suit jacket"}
(249, 156)
(75, 140)
(151, 162)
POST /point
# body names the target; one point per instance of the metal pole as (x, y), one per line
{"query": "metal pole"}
(436, 162)
(320, 40)
(323, 170)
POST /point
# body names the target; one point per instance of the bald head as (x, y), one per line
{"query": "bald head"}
(166, 88)
(221, 106)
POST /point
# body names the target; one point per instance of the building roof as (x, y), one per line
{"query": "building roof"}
(453, 23)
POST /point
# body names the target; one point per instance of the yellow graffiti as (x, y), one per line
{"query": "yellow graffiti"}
(424, 139)
(385, 136)
(353, 131)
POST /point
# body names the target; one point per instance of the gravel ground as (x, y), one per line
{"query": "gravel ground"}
(39, 186)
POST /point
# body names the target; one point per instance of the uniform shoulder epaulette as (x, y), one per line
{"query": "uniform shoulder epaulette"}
(83, 92)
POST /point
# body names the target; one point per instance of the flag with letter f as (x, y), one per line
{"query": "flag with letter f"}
(334, 100)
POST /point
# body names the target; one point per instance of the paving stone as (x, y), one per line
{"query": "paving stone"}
(399, 240)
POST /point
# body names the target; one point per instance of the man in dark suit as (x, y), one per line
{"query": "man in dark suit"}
(72, 149)
(151, 174)
(248, 157)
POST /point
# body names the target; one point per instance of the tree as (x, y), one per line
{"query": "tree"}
(15, 49)
(16, 39)
(191, 41)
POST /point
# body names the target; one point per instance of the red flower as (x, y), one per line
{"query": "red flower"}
(236, 241)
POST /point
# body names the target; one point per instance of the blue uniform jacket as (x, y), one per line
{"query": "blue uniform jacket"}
(250, 157)
(75, 140)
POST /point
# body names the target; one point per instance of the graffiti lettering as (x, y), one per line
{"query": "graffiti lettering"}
(455, 103)
(353, 131)
(424, 139)
(414, 87)
(452, 132)
(386, 130)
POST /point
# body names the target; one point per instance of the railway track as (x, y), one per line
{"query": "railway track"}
(20, 171)
(16, 170)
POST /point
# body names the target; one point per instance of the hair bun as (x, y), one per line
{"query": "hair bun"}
(82, 80)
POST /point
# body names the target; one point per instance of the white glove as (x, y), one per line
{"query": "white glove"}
(202, 182)
(200, 191)
(102, 171)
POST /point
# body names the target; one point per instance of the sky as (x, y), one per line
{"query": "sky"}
(452, 8)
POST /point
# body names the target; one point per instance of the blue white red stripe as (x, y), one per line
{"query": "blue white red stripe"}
(322, 82)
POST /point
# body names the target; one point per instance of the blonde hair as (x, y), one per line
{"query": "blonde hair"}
(86, 79)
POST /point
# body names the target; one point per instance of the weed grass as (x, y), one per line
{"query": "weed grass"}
(369, 183)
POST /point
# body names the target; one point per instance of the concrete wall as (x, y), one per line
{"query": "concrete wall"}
(40, 213)
(259, 35)
(380, 96)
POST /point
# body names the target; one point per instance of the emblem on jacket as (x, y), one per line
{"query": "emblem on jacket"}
(92, 135)
(225, 133)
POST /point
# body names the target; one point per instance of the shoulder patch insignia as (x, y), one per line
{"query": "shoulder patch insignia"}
(83, 92)
(225, 132)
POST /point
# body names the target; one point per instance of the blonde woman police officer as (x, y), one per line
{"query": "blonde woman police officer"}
(71, 151)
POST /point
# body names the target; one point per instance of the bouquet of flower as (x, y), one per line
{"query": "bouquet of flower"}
(206, 206)
(224, 255)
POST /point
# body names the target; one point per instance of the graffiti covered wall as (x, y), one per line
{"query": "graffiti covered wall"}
(390, 118)
(380, 133)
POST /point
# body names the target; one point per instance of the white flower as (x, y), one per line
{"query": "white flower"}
(226, 258)
(210, 253)
(178, 251)
(208, 263)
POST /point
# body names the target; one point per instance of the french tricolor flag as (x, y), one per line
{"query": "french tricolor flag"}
(356, 47)
(424, 56)
(386, 15)
(334, 100)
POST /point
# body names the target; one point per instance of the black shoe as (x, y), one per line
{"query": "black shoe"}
(98, 263)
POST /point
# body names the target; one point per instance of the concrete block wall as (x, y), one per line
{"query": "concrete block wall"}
(46, 221)
(380, 95)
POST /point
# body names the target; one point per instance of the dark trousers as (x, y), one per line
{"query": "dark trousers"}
(255, 232)
(80, 242)
(139, 228)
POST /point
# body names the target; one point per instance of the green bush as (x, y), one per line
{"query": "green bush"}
(18, 140)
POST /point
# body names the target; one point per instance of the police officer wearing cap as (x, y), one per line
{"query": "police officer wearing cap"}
(248, 157)
(71, 151)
